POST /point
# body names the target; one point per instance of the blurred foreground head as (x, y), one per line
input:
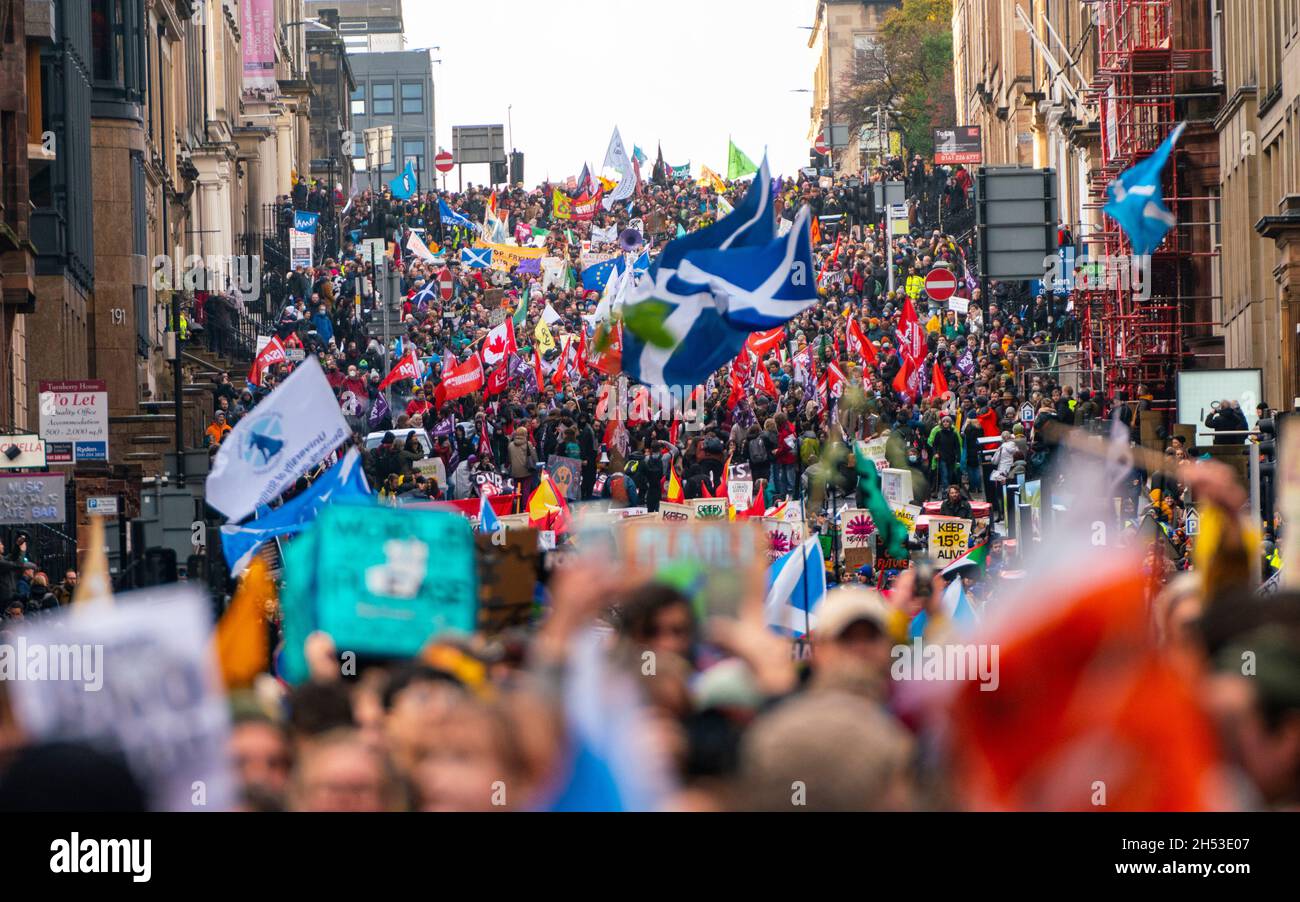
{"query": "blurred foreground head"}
(826, 751)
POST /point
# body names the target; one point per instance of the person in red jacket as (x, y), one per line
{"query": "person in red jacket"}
(784, 481)
(418, 404)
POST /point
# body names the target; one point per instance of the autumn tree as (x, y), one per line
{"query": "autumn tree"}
(909, 69)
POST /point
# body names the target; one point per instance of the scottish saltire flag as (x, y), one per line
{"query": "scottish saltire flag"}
(796, 582)
(345, 480)
(641, 265)
(957, 607)
(1136, 202)
(708, 290)
(451, 218)
(476, 257)
(425, 296)
(595, 278)
(405, 184)
(487, 518)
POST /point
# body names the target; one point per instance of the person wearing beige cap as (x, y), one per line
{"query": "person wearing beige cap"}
(851, 642)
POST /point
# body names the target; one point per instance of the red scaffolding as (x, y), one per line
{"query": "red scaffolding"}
(1136, 321)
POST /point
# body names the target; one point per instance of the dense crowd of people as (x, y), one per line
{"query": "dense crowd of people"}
(966, 400)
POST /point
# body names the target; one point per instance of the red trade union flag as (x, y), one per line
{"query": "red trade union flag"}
(763, 342)
(407, 368)
(270, 355)
(858, 344)
(911, 334)
(903, 381)
(460, 381)
(498, 380)
(938, 381)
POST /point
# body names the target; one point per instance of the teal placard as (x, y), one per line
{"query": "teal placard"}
(388, 580)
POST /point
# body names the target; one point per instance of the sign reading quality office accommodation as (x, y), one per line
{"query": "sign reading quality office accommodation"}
(74, 420)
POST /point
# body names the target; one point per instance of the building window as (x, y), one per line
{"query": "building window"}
(381, 98)
(117, 51)
(413, 152)
(359, 100)
(412, 98)
(869, 56)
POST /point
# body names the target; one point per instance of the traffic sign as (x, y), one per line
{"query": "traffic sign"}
(940, 284)
(1026, 412)
(445, 286)
(444, 162)
(102, 506)
(820, 145)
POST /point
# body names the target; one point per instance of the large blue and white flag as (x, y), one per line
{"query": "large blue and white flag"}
(1136, 201)
(796, 583)
(425, 296)
(617, 160)
(405, 184)
(595, 278)
(476, 257)
(695, 310)
(292, 430)
(346, 480)
(451, 218)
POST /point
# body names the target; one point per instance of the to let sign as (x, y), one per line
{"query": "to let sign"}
(74, 420)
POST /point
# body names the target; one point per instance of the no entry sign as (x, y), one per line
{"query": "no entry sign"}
(444, 162)
(940, 284)
(445, 287)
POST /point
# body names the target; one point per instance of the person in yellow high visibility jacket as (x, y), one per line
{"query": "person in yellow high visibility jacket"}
(914, 284)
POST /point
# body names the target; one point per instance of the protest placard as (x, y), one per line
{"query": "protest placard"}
(507, 579)
(907, 514)
(949, 537)
(708, 508)
(896, 485)
(384, 595)
(783, 536)
(718, 564)
(146, 685)
(857, 537)
(566, 472)
(675, 513)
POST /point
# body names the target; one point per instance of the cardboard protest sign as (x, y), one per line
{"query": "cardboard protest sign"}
(857, 537)
(740, 486)
(395, 578)
(675, 513)
(626, 512)
(887, 567)
(949, 539)
(716, 564)
(567, 475)
(708, 508)
(507, 579)
(144, 681)
(874, 449)
(896, 485)
(783, 536)
(907, 514)
(514, 521)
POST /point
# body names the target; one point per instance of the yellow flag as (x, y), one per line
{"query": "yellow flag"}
(241, 642)
(711, 178)
(561, 206)
(545, 340)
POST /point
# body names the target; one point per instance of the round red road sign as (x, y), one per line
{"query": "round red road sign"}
(820, 146)
(444, 284)
(940, 284)
(443, 162)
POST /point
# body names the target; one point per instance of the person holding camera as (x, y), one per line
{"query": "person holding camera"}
(1227, 416)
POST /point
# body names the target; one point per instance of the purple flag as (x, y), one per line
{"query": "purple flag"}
(530, 266)
(378, 411)
(966, 363)
(445, 426)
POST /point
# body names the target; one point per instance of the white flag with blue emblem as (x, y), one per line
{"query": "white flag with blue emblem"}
(280, 439)
(616, 159)
(1136, 202)
(708, 290)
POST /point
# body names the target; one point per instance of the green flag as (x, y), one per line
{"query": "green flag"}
(521, 311)
(738, 165)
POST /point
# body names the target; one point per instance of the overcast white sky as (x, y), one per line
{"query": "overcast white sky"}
(684, 72)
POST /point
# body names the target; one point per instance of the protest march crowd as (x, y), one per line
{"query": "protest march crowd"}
(888, 473)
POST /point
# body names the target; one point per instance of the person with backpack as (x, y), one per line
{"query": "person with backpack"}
(783, 474)
(758, 449)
